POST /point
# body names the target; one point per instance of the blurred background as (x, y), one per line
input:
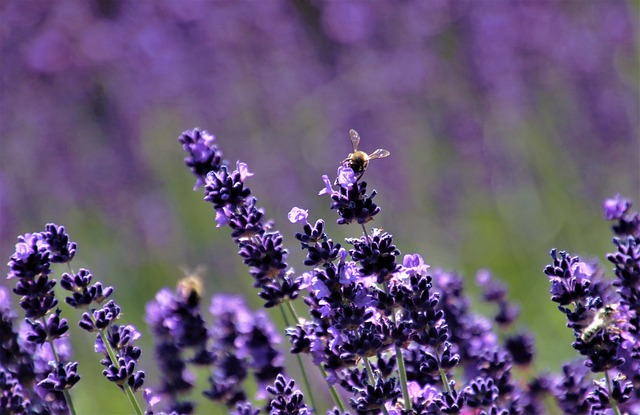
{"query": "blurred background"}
(508, 124)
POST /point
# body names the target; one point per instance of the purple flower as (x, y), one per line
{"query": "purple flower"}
(615, 207)
(61, 378)
(258, 346)
(265, 256)
(43, 328)
(297, 215)
(482, 392)
(31, 258)
(247, 221)
(312, 235)
(222, 217)
(82, 294)
(573, 389)
(575, 287)
(285, 400)
(354, 205)
(242, 341)
(449, 402)
(123, 370)
(99, 319)
(375, 397)
(521, 348)
(507, 313)
(262, 251)
(180, 337)
(627, 269)
(602, 396)
(301, 337)
(243, 169)
(327, 186)
(494, 291)
(203, 154)
(376, 254)
(53, 329)
(151, 399)
(627, 220)
(12, 397)
(245, 408)
(60, 248)
(346, 177)
(44, 363)
(413, 264)
(223, 188)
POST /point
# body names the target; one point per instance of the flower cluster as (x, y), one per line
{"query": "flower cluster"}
(387, 333)
(238, 342)
(16, 364)
(261, 249)
(399, 339)
(45, 329)
(41, 351)
(243, 341)
(178, 327)
(603, 315)
(115, 342)
(350, 200)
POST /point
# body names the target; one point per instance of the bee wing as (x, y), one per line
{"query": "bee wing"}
(379, 154)
(355, 139)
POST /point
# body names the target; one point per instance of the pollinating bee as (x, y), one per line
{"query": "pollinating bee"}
(359, 160)
(190, 287)
(603, 320)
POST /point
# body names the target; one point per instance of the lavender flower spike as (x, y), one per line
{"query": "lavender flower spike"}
(30, 264)
(180, 337)
(243, 342)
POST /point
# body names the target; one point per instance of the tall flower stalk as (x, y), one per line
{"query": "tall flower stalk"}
(31, 265)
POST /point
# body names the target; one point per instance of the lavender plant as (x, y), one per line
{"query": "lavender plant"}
(393, 337)
(385, 332)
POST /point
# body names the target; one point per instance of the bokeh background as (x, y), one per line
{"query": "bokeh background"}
(508, 124)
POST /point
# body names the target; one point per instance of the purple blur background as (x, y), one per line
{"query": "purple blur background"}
(508, 124)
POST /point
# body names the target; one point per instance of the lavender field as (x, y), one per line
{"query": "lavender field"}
(513, 130)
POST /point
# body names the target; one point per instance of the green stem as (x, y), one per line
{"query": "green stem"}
(56, 356)
(367, 365)
(443, 374)
(612, 402)
(332, 390)
(402, 371)
(67, 397)
(366, 234)
(373, 381)
(403, 378)
(112, 355)
(293, 313)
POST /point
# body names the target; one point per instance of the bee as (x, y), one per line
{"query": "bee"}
(359, 160)
(190, 287)
(603, 320)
